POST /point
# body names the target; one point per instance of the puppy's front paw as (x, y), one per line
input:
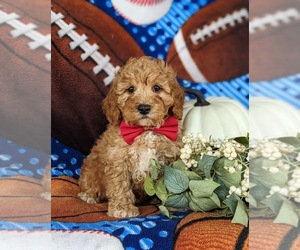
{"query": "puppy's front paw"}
(123, 211)
(88, 198)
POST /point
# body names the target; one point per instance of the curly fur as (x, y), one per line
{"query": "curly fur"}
(115, 170)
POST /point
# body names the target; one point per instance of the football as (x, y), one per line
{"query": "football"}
(274, 27)
(213, 44)
(88, 48)
(25, 59)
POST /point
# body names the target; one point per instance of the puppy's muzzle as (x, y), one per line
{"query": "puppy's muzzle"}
(144, 109)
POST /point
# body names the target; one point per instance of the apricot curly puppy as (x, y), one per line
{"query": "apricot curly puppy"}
(143, 107)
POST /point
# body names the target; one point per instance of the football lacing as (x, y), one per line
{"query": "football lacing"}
(37, 39)
(230, 20)
(102, 62)
(274, 20)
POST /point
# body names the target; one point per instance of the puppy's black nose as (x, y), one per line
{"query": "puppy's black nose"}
(144, 109)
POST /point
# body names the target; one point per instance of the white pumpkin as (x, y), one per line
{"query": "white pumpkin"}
(218, 117)
(272, 118)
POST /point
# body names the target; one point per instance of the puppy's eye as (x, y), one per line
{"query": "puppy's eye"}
(156, 88)
(130, 89)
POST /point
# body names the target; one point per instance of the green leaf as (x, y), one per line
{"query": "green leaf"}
(202, 188)
(242, 140)
(205, 164)
(203, 204)
(229, 179)
(193, 206)
(177, 200)
(257, 164)
(274, 202)
(231, 202)
(222, 191)
(166, 212)
(192, 175)
(287, 214)
(160, 190)
(178, 165)
(149, 186)
(252, 201)
(258, 191)
(216, 200)
(294, 141)
(175, 180)
(241, 214)
(268, 179)
(155, 169)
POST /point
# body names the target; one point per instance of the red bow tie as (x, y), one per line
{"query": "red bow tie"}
(169, 129)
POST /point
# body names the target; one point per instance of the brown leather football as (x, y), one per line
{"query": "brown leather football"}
(25, 72)
(274, 39)
(213, 44)
(88, 47)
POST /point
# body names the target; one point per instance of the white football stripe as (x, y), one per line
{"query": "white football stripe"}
(186, 59)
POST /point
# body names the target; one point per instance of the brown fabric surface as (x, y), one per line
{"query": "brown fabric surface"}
(77, 92)
(25, 78)
(21, 201)
(66, 206)
(266, 235)
(195, 231)
(207, 231)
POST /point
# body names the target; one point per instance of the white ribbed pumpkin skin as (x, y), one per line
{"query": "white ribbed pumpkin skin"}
(224, 117)
(272, 118)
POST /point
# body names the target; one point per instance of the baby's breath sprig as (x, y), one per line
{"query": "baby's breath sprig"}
(211, 174)
(275, 178)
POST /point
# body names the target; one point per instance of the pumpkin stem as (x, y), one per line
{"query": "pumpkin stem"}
(201, 101)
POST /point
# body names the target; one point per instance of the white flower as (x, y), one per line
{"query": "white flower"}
(296, 174)
(238, 191)
(285, 167)
(230, 153)
(232, 189)
(246, 173)
(217, 154)
(239, 167)
(231, 170)
(252, 154)
(274, 189)
(292, 189)
(245, 184)
(189, 151)
(274, 170)
(284, 191)
(194, 163)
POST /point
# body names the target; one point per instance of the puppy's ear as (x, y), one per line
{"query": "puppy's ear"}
(177, 93)
(110, 107)
(178, 97)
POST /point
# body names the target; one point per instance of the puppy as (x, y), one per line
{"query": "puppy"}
(143, 107)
